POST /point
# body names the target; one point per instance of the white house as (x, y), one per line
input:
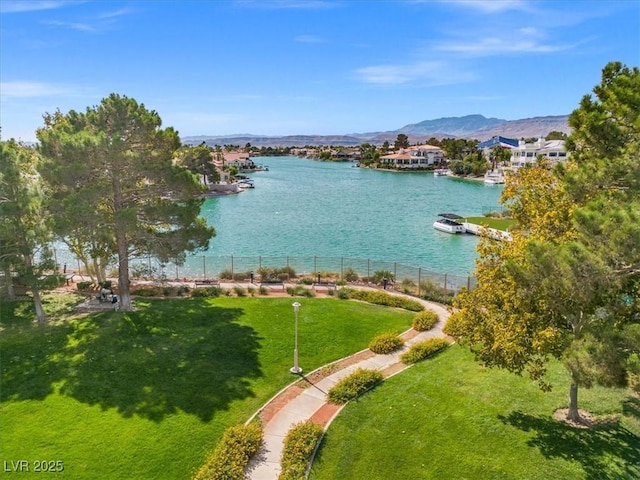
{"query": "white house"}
(527, 153)
(419, 156)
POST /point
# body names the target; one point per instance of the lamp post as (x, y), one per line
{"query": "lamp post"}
(295, 369)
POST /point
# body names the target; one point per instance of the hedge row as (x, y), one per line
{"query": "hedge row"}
(298, 448)
(420, 351)
(386, 343)
(381, 298)
(354, 385)
(231, 456)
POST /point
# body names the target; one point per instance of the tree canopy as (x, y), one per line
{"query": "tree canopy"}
(113, 177)
(25, 231)
(567, 285)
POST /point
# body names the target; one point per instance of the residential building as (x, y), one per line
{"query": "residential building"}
(528, 153)
(418, 156)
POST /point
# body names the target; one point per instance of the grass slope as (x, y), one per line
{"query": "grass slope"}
(146, 395)
(449, 418)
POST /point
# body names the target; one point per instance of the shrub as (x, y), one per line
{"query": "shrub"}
(429, 290)
(354, 385)
(240, 291)
(452, 327)
(425, 320)
(263, 291)
(383, 298)
(306, 281)
(147, 292)
(291, 291)
(269, 274)
(182, 289)
(232, 454)
(343, 294)
(169, 291)
(331, 292)
(251, 291)
(226, 275)
(84, 285)
(386, 343)
(380, 275)
(424, 349)
(52, 281)
(299, 445)
(633, 372)
(408, 286)
(350, 275)
(208, 292)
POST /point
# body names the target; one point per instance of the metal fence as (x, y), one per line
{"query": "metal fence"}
(239, 268)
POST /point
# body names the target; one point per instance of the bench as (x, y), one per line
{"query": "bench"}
(327, 285)
(269, 283)
(209, 282)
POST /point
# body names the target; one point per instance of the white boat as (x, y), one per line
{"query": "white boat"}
(441, 172)
(447, 223)
(493, 178)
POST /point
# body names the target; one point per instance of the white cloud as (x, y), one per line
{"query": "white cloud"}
(82, 27)
(431, 73)
(31, 89)
(19, 6)
(496, 46)
(491, 6)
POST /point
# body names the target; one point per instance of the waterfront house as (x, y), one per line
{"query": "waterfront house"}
(497, 141)
(240, 160)
(528, 153)
(418, 156)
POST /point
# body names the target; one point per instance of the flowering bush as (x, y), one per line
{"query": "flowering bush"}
(232, 454)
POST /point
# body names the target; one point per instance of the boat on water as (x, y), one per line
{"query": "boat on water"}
(448, 222)
(441, 172)
(493, 178)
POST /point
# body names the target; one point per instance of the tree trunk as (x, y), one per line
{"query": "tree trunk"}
(124, 302)
(573, 413)
(33, 281)
(11, 293)
(37, 303)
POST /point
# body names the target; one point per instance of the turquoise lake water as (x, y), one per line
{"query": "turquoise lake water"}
(303, 207)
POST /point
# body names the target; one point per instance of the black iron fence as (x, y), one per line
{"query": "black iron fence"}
(289, 268)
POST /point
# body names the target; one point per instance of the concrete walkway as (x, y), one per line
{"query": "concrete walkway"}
(306, 399)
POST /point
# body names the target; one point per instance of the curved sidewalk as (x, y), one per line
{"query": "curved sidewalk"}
(306, 399)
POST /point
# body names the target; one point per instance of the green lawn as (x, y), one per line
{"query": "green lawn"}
(449, 418)
(498, 223)
(146, 395)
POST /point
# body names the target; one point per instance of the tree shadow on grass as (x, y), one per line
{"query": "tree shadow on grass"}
(165, 357)
(606, 451)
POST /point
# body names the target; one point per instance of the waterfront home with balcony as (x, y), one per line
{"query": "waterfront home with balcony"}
(527, 153)
(418, 156)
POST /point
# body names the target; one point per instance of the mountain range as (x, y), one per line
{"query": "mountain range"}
(476, 127)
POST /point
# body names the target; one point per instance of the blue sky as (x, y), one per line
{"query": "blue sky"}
(283, 67)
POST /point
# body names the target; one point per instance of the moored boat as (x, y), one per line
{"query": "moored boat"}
(448, 222)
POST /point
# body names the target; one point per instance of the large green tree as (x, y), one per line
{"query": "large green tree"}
(24, 227)
(566, 286)
(199, 160)
(111, 168)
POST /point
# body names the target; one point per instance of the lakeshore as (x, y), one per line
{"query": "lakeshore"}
(304, 207)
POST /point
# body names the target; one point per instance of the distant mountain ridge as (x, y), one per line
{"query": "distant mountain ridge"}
(469, 126)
